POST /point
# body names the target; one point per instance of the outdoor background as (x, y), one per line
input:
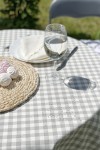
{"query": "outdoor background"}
(79, 28)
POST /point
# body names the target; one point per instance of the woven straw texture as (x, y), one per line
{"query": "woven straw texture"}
(20, 88)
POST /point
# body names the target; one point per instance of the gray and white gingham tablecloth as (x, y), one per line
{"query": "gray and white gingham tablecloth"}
(56, 117)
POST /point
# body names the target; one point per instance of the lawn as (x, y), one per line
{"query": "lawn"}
(80, 28)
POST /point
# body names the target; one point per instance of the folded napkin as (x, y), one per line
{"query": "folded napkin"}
(94, 44)
(29, 49)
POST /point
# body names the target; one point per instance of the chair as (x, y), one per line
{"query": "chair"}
(74, 8)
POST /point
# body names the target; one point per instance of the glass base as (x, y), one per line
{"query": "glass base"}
(53, 78)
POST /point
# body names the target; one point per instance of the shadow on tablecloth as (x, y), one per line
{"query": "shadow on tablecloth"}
(85, 137)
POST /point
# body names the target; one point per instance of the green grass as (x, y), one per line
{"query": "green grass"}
(80, 28)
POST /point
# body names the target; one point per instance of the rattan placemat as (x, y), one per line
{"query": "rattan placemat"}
(20, 88)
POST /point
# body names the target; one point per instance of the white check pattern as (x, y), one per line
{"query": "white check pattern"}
(56, 117)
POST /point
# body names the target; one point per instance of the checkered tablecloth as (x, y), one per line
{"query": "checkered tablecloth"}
(57, 117)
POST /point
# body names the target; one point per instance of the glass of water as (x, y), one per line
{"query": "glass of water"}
(55, 44)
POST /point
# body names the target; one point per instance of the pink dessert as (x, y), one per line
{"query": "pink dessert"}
(4, 65)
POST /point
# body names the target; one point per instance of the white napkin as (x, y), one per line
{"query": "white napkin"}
(29, 49)
(94, 44)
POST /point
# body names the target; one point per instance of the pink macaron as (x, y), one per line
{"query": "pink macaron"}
(4, 65)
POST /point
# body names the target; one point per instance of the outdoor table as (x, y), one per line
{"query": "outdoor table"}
(56, 116)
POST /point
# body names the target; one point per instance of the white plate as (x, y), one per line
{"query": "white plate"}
(17, 50)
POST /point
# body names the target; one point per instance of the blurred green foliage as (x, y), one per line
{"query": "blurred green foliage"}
(34, 14)
(20, 13)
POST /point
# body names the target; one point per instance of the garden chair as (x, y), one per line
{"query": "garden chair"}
(74, 8)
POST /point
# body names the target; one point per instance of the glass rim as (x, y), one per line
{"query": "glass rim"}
(52, 24)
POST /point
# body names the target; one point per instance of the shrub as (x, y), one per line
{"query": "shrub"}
(20, 13)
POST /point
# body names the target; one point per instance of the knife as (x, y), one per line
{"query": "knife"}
(63, 64)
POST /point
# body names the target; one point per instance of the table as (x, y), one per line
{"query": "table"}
(56, 116)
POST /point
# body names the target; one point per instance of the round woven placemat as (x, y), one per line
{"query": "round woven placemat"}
(20, 88)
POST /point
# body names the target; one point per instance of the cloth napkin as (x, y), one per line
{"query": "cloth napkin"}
(94, 44)
(29, 49)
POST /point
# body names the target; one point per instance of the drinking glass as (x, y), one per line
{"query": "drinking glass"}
(56, 47)
(55, 44)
